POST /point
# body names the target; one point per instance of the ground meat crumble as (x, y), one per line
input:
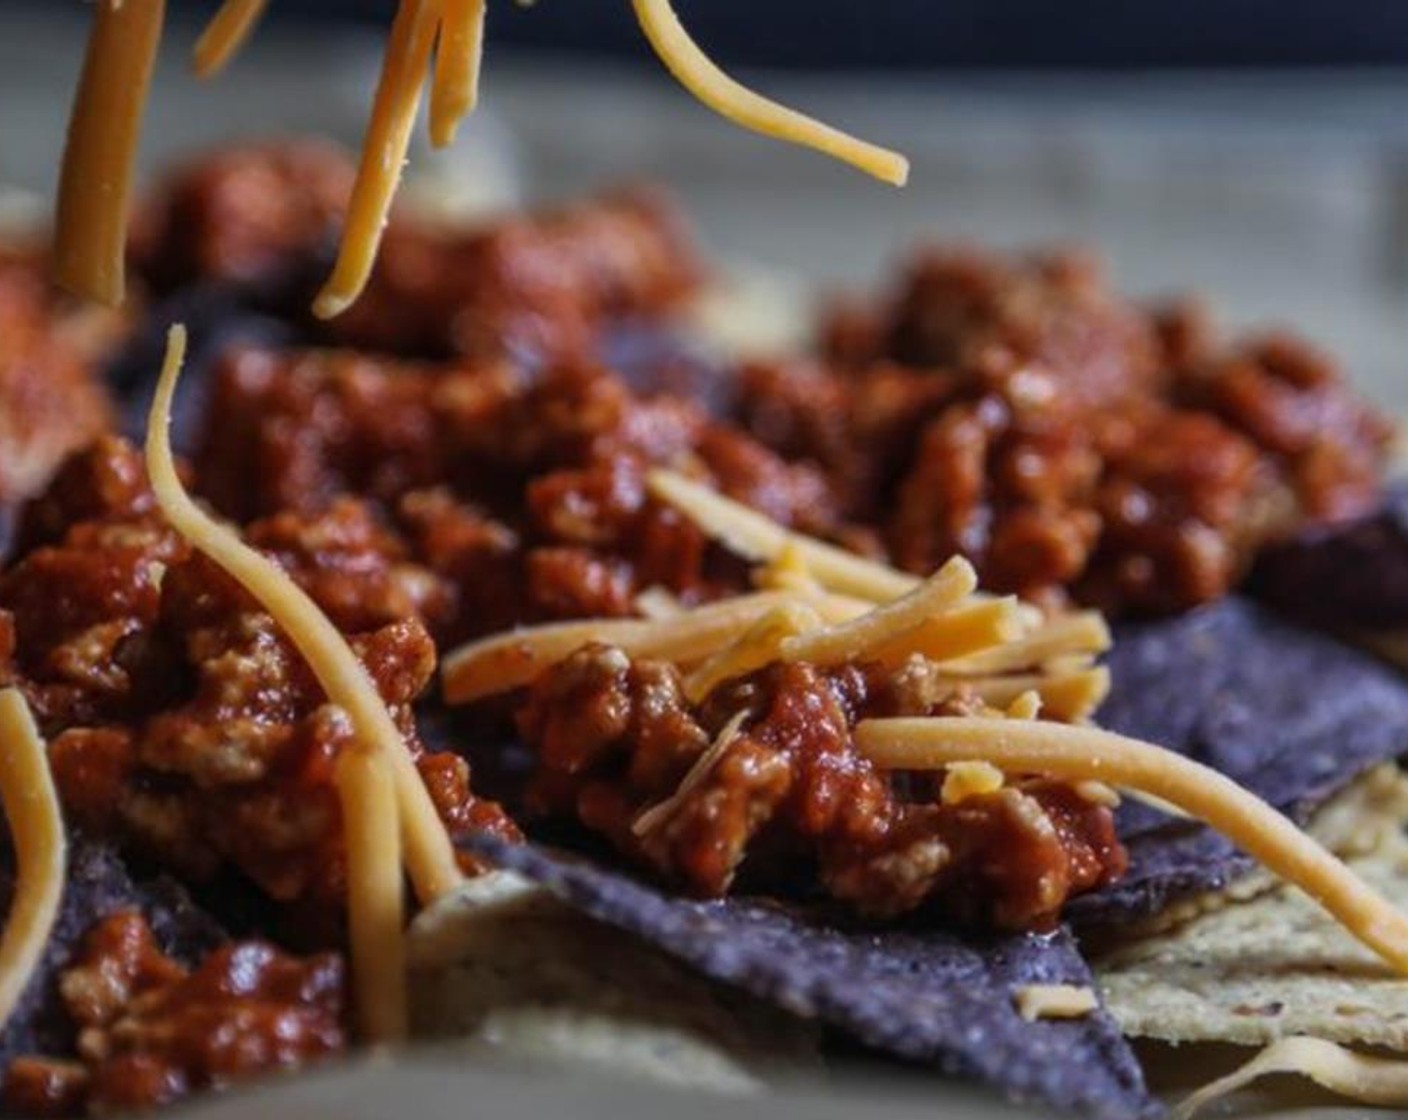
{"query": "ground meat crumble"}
(151, 1032)
(790, 800)
(1069, 444)
(180, 719)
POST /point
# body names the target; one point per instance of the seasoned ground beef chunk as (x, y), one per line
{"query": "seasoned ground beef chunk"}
(615, 741)
(1057, 313)
(1069, 444)
(243, 215)
(151, 1032)
(542, 285)
(181, 721)
(52, 400)
(526, 497)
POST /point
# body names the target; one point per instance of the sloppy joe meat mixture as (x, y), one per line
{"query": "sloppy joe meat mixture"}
(456, 457)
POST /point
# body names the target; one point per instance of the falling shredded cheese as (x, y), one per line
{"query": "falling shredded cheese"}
(1382, 1082)
(756, 537)
(384, 150)
(654, 817)
(458, 58)
(507, 661)
(225, 35)
(37, 836)
(95, 184)
(430, 857)
(375, 903)
(694, 70)
(1080, 753)
(1035, 1002)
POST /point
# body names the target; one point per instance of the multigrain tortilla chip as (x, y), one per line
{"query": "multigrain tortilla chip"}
(1352, 577)
(1352, 823)
(99, 883)
(505, 968)
(1292, 715)
(1256, 971)
(928, 996)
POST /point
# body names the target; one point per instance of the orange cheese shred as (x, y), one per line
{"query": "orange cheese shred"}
(1088, 753)
(694, 70)
(37, 836)
(756, 537)
(384, 150)
(430, 857)
(888, 623)
(225, 35)
(375, 905)
(95, 183)
(454, 92)
(514, 659)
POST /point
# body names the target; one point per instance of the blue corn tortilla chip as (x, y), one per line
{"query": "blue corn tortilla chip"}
(930, 997)
(99, 882)
(1290, 714)
(1349, 576)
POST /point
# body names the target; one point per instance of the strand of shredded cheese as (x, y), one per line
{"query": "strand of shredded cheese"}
(657, 815)
(756, 647)
(1375, 1081)
(1083, 632)
(225, 35)
(883, 626)
(694, 70)
(95, 184)
(504, 662)
(430, 857)
(1065, 696)
(977, 625)
(454, 92)
(375, 892)
(1078, 753)
(1037, 1002)
(383, 152)
(756, 537)
(37, 835)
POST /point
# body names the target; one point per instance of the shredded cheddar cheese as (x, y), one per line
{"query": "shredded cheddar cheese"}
(1036, 1002)
(654, 817)
(459, 55)
(1081, 632)
(886, 624)
(225, 35)
(694, 70)
(512, 660)
(758, 538)
(977, 625)
(383, 152)
(366, 791)
(1382, 1082)
(965, 780)
(430, 857)
(95, 183)
(760, 644)
(37, 836)
(98, 163)
(1083, 753)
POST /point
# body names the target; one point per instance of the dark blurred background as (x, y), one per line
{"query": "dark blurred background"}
(1104, 34)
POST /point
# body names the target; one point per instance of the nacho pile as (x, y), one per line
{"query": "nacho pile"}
(501, 662)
